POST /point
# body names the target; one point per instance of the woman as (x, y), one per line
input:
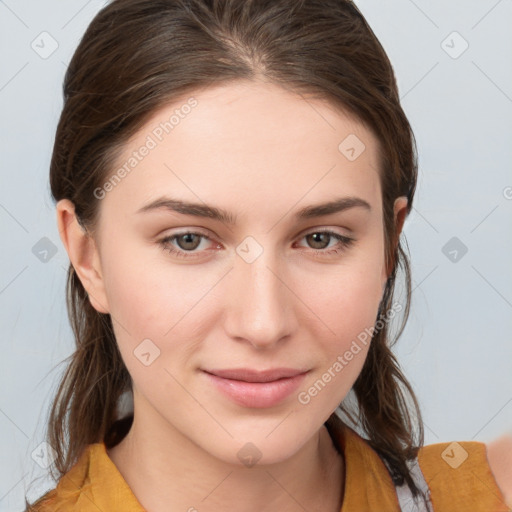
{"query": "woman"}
(231, 179)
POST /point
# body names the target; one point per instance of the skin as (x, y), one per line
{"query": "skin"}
(262, 153)
(499, 455)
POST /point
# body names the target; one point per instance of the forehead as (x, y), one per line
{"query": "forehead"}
(245, 145)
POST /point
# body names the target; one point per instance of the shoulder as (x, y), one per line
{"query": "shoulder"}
(499, 455)
(93, 484)
(462, 476)
(66, 495)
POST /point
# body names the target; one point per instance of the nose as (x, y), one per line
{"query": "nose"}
(260, 309)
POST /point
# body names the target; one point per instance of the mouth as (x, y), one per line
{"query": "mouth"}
(256, 389)
(250, 375)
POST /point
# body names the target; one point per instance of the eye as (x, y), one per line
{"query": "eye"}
(320, 241)
(187, 243)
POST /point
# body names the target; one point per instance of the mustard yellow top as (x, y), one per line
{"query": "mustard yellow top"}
(458, 476)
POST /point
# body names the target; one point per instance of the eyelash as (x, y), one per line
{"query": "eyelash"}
(344, 242)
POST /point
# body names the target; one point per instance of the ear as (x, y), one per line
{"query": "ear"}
(83, 254)
(400, 213)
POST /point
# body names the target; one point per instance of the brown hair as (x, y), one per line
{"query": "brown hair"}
(140, 55)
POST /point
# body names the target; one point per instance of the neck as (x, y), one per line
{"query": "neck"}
(170, 472)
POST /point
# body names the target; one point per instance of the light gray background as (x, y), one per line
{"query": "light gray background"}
(457, 348)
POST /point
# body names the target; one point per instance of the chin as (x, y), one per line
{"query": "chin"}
(259, 448)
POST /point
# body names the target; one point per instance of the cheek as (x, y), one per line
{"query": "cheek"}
(153, 299)
(146, 306)
(346, 303)
(347, 312)
(347, 297)
(144, 294)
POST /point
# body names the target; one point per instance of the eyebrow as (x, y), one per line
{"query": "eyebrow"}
(212, 212)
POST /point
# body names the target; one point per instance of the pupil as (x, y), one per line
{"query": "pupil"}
(317, 238)
(188, 238)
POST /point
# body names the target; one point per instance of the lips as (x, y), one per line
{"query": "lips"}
(249, 375)
(256, 389)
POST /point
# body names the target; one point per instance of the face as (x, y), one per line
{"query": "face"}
(265, 286)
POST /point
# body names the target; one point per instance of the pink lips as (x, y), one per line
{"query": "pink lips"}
(258, 389)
